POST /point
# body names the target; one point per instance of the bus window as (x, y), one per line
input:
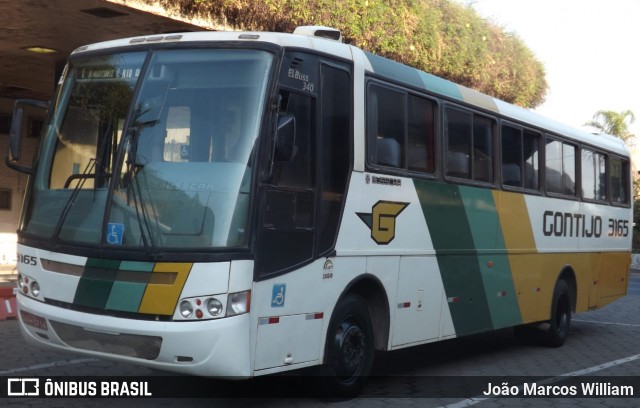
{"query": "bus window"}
(459, 130)
(335, 152)
(619, 181)
(594, 175)
(482, 149)
(560, 167)
(469, 145)
(421, 127)
(386, 121)
(520, 158)
(299, 171)
(395, 120)
(531, 158)
(511, 156)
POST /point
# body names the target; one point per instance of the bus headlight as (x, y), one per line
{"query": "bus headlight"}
(35, 288)
(214, 307)
(238, 303)
(186, 309)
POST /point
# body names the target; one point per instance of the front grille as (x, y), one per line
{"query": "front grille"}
(130, 345)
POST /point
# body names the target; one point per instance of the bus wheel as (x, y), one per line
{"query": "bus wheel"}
(349, 349)
(560, 321)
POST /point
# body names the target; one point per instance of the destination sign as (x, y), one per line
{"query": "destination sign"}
(108, 72)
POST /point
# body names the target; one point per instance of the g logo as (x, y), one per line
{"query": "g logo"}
(382, 220)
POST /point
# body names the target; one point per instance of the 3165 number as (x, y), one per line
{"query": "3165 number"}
(618, 228)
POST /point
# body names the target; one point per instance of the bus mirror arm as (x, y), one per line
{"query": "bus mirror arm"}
(285, 140)
(15, 134)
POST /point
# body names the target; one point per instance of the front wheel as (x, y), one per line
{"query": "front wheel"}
(349, 349)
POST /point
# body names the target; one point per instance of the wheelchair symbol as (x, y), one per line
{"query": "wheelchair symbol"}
(278, 295)
(115, 231)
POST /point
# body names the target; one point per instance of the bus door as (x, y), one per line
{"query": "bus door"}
(301, 208)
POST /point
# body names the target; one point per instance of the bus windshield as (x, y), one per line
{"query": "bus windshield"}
(151, 150)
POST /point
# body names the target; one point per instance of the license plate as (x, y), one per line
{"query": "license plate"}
(33, 320)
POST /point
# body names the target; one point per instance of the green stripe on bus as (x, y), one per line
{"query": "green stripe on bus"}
(413, 77)
(480, 207)
(136, 266)
(96, 282)
(440, 86)
(452, 239)
(126, 296)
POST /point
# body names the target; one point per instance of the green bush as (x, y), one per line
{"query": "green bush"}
(438, 36)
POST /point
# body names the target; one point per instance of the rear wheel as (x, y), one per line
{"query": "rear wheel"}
(349, 349)
(560, 321)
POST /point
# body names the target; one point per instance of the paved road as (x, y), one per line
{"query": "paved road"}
(634, 284)
(602, 343)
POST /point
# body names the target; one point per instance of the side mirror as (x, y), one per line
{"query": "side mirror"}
(285, 139)
(15, 134)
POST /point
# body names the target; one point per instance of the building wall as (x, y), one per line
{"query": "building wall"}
(12, 181)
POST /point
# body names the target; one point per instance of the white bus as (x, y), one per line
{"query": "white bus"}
(237, 204)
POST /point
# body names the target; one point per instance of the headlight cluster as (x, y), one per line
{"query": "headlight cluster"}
(212, 307)
(28, 286)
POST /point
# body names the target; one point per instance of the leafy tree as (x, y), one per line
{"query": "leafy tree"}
(613, 123)
(442, 37)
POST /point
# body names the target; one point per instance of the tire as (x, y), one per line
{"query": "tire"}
(349, 349)
(560, 321)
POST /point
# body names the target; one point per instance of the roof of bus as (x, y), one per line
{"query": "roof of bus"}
(384, 67)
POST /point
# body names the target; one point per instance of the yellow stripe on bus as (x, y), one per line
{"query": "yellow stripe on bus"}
(161, 298)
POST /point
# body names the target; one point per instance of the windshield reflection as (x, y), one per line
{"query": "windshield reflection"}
(179, 177)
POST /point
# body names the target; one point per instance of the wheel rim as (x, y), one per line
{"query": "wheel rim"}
(351, 348)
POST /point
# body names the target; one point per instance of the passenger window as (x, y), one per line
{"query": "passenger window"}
(619, 181)
(469, 145)
(482, 149)
(511, 156)
(520, 158)
(386, 122)
(594, 175)
(459, 130)
(420, 152)
(560, 167)
(531, 159)
(400, 129)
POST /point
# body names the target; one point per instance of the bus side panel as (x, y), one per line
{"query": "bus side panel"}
(523, 258)
(383, 220)
(481, 208)
(419, 303)
(465, 225)
(614, 277)
(291, 312)
(592, 239)
(451, 232)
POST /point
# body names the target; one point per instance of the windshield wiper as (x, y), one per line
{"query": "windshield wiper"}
(131, 179)
(82, 178)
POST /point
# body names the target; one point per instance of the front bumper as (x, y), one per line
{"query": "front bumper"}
(219, 348)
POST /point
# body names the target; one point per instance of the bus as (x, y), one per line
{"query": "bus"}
(236, 204)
